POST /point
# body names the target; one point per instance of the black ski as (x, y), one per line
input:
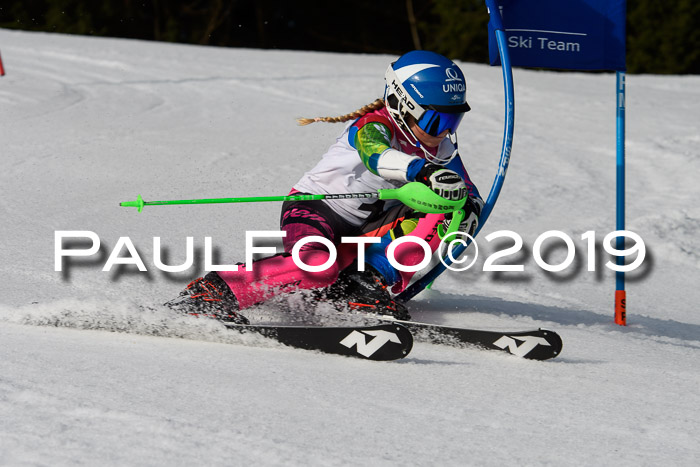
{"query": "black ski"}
(390, 341)
(539, 344)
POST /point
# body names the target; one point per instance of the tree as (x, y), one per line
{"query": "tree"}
(663, 37)
(457, 30)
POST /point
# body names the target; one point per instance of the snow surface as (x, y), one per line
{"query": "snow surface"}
(87, 377)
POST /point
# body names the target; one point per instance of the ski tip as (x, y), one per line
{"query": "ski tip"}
(555, 345)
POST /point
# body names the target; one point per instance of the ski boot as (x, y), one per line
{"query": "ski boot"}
(209, 296)
(366, 291)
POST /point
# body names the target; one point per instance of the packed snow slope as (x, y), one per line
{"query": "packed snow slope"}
(88, 377)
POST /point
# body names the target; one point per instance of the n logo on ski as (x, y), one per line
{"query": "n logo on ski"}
(528, 343)
(368, 348)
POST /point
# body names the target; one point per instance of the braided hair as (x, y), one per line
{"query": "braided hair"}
(377, 104)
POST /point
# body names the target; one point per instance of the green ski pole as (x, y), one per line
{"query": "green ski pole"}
(415, 195)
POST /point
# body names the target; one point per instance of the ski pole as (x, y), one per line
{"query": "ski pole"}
(415, 195)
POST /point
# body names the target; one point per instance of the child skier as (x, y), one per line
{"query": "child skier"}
(409, 135)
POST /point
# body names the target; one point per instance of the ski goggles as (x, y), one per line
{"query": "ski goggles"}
(435, 122)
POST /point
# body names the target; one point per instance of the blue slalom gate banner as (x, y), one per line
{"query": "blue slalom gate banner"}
(563, 34)
(572, 35)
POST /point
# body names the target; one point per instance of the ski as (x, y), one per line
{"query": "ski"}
(538, 344)
(390, 341)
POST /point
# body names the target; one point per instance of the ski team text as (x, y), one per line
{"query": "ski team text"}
(522, 42)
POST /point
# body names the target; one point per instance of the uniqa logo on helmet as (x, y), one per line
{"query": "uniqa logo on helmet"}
(452, 76)
(460, 87)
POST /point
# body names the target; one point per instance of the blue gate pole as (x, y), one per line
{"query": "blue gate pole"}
(499, 31)
(620, 293)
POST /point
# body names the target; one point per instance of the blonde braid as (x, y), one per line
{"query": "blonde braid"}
(377, 104)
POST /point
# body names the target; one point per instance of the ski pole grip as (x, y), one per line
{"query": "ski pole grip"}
(457, 218)
(421, 198)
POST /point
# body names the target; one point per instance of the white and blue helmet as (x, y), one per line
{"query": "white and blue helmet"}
(430, 88)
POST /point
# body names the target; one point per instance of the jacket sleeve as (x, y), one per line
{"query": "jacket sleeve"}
(371, 136)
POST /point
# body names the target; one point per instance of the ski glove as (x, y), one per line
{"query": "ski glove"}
(472, 211)
(445, 182)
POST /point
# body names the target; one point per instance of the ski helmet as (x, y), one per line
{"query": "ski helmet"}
(428, 87)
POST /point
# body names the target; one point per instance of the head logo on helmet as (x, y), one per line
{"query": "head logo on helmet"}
(429, 89)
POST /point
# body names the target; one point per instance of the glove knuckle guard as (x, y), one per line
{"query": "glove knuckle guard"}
(444, 182)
